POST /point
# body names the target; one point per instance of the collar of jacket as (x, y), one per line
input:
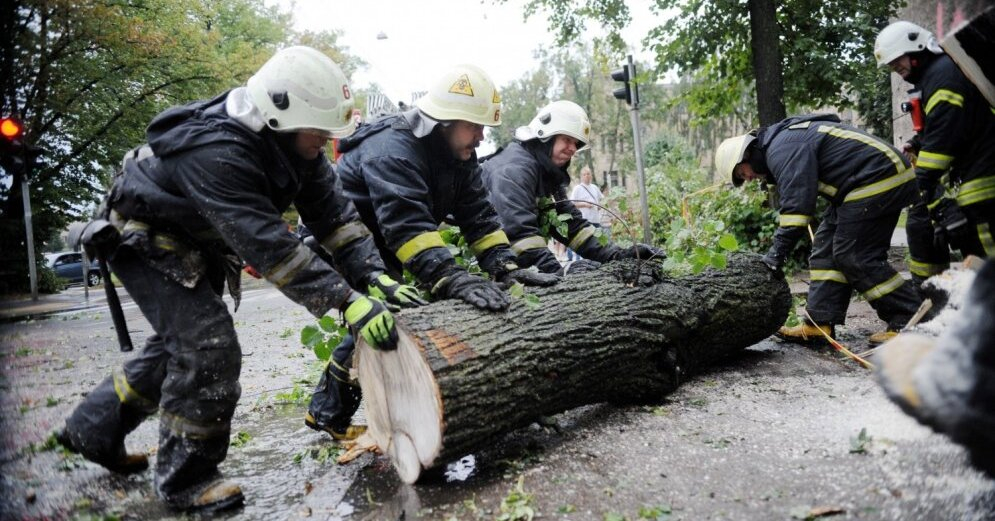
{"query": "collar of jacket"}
(543, 154)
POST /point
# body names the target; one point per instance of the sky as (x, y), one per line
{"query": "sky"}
(424, 38)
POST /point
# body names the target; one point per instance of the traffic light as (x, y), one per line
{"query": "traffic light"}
(629, 91)
(625, 91)
(12, 153)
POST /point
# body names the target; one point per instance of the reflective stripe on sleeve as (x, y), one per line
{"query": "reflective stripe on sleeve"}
(934, 161)
(345, 234)
(532, 242)
(941, 96)
(489, 241)
(926, 269)
(976, 191)
(827, 189)
(884, 288)
(286, 269)
(828, 275)
(582, 236)
(418, 244)
(794, 219)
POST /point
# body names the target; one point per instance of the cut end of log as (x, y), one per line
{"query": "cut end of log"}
(403, 405)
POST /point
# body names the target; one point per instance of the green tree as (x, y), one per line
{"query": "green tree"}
(823, 48)
(86, 77)
(519, 103)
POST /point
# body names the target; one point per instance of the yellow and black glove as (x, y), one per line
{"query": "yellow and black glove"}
(394, 293)
(369, 318)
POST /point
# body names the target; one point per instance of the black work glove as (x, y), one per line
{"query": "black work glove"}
(394, 294)
(949, 224)
(528, 278)
(642, 251)
(370, 319)
(472, 289)
(579, 266)
(773, 262)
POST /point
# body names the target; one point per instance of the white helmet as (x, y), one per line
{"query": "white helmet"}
(902, 38)
(301, 88)
(465, 93)
(730, 153)
(559, 117)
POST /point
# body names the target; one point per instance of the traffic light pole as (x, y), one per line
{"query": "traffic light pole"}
(32, 269)
(637, 143)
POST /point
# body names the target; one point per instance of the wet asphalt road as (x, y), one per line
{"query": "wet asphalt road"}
(770, 434)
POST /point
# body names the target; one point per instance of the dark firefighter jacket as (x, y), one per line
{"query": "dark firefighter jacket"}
(958, 134)
(517, 179)
(213, 186)
(403, 178)
(813, 155)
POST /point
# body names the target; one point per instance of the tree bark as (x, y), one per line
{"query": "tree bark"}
(767, 65)
(463, 377)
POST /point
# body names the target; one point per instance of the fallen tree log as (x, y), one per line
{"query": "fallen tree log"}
(463, 377)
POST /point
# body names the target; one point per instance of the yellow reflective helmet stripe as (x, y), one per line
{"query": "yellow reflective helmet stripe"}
(884, 288)
(489, 241)
(943, 95)
(286, 269)
(889, 152)
(828, 275)
(582, 236)
(880, 186)
(793, 219)
(985, 234)
(926, 269)
(418, 244)
(976, 190)
(532, 242)
(934, 161)
(345, 234)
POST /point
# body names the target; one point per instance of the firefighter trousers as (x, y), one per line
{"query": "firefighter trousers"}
(189, 368)
(854, 255)
(929, 256)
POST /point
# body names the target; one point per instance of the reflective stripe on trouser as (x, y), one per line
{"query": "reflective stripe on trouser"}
(335, 400)
(99, 424)
(859, 252)
(927, 257)
(202, 363)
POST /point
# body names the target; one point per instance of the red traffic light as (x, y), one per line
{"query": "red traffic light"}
(11, 128)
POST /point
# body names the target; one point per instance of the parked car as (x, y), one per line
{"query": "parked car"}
(69, 265)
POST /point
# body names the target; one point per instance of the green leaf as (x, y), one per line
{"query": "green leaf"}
(310, 336)
(328, 324)
(516, 290)
(728, 242)
(532, 301)
(322, 351)
(718, 260)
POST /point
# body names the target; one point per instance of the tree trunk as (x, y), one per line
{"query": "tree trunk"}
(463, 377)
(767, 66)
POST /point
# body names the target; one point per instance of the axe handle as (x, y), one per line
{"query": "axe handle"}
(114, 304)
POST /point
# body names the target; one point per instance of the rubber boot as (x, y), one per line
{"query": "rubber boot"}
(806, 333)
(335, 399)
(212, 496)
(882, 336)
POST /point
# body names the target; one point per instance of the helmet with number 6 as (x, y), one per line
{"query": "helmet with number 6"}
(300, 88)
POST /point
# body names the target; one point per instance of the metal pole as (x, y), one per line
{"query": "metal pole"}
(25, 186)
(86, 276)
(638, 145)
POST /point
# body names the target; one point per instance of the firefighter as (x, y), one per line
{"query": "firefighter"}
(407, 173)
(867, 183)
(957, 140)
(535, 166)
(204, 194)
